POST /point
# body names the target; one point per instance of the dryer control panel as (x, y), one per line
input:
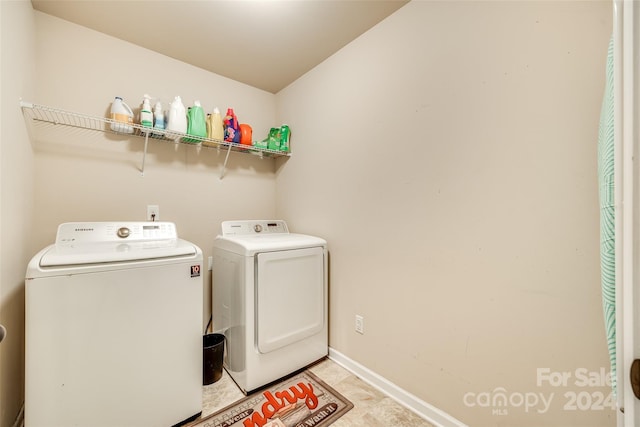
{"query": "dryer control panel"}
(239, 228)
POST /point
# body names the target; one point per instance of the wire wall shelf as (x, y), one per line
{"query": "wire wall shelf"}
(55, 116)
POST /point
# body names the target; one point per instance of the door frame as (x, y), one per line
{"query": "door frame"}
(625, 32)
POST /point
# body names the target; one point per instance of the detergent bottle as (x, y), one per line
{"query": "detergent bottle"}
(231, 127)
(246, 134)
(146, 116)
(122, 115)
(285, 137)
(158, 118)
(177, 117)
(215, 126)
(196, 125)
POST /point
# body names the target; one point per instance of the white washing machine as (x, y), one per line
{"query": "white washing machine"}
(269, 300)
(114, 327)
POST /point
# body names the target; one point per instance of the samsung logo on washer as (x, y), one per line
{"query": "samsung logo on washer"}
(84, 229)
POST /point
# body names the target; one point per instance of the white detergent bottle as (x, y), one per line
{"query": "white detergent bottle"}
(158, 118)
(146, 116)
(177, 117)
(122, 116)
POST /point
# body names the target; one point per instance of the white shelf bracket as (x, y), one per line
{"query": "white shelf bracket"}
(144, 154)
(226, 159)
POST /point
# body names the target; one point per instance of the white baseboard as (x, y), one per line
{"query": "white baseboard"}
(430, 413)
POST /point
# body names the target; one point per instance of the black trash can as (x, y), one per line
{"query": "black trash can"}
(212, 357)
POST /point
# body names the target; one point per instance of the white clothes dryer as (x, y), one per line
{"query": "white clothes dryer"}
(269, 300)
(114, 327)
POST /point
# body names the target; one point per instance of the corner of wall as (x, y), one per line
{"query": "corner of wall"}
(16, 201)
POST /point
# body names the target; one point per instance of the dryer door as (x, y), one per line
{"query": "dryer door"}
(289, 296)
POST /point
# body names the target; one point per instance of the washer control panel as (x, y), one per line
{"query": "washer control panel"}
(85, 232)
(237, 228)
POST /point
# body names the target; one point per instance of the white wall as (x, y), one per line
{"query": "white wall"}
(89, 176)
(16, 204)
(74, 175)
(54, 174)
(448, 156)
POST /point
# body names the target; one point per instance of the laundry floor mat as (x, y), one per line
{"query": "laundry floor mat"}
(302, 400)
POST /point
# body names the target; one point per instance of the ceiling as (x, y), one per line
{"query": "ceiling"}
(267, 44)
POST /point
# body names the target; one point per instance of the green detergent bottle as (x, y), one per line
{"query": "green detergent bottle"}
(196, 123)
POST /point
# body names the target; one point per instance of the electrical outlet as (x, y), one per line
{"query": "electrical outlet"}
(359, 324)
(153, 213)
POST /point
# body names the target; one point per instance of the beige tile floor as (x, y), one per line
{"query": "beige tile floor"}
(371, 408)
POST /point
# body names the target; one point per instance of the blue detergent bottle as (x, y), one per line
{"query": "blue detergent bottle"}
(158, 119)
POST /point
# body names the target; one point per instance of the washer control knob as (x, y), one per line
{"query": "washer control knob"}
(123, 232)
(257, 228)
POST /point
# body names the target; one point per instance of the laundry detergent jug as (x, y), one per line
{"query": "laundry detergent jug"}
(246, 134)
(177, 117)
(231, 127)
(122, 116)
(215, 127)
(196, 125)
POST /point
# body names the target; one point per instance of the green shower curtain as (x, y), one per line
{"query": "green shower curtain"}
(607, 213)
